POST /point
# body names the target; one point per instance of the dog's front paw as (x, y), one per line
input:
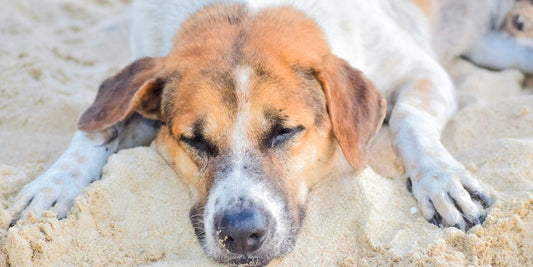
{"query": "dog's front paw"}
(450, 197)
(53, 190)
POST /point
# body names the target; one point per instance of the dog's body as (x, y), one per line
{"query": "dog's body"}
(256, 101)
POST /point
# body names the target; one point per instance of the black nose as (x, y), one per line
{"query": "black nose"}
(241, 231)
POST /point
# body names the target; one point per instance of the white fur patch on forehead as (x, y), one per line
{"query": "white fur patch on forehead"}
(239, 140)
(242, 78)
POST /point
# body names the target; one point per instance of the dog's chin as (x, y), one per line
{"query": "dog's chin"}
(249, 261)
(258, 258)
(252, 260)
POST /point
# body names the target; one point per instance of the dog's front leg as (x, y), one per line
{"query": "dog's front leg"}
(447, 194)
(79, 165)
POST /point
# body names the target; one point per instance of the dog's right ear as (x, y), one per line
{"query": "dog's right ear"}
(137, 87)
(356, 108)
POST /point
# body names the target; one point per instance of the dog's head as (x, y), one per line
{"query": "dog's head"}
(254, 109)
(519, 20)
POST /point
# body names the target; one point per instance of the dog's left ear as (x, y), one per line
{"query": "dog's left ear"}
(136, 88)
(356, 108)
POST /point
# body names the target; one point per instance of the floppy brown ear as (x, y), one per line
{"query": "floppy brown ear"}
(356, 108)
(135, 88)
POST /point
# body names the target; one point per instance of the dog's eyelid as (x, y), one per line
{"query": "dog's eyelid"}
(185, 138)
(293, 130)
(200, 144)
(284, 134)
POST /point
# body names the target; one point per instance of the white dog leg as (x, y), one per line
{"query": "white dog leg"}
(444, 189)
(79, 165)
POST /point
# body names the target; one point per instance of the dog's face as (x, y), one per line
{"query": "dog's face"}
(519, 20)
(254, 110)
(250, 141)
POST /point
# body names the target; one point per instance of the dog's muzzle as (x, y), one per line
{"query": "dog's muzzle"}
(245, 219)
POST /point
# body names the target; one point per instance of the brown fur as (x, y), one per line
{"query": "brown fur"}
(119, 95)
(420, 96)
(294, 77)
(426, 6)
(356, 108)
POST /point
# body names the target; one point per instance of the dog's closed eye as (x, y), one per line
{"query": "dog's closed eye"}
(279, 136)
(200, 145)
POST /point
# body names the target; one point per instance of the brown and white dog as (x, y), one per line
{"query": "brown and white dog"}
(253, 103)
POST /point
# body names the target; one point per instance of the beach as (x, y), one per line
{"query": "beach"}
(53, 56)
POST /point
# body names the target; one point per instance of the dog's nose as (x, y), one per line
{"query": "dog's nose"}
(242, 231)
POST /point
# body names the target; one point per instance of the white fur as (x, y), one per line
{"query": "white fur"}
(240, 142)
(499, 50)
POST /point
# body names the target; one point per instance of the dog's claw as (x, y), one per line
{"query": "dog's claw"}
(482, 219)
(476, 221)
(437, 219)
(485, 201)
(462, 226)
(434, 221)
(480, 197)
(409, 185)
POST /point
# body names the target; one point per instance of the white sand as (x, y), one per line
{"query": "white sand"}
(53, 54)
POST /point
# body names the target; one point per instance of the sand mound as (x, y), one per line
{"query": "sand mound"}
(138, 212)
